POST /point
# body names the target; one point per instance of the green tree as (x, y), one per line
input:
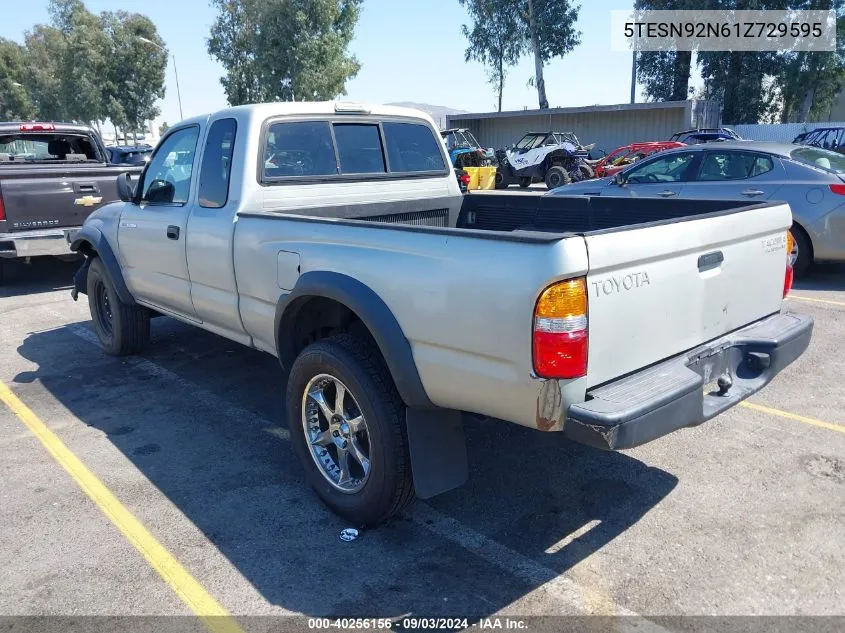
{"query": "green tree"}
(549, 32)
(45, 47)
(495, 39)
(83, 60)
(284, 50)
(134, 81)
(15, 102)
(665, 75)
(737, 79)
(808, 82)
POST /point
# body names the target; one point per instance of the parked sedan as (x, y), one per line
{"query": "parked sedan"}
(810, 179)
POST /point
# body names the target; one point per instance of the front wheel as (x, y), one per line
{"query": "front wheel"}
(556, 177)
(347, 424)
(525, 182)
(122, 328)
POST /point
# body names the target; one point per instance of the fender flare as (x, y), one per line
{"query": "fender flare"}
(98, 243)
(373, 313)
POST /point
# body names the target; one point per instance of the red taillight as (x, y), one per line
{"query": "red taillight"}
(464, 178)
(839, 189)
(37, 127)
(560, 330)
(791, 256)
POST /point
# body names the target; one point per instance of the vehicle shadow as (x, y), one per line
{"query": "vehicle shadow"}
(830, 277)
(43, 274)
(202, 419)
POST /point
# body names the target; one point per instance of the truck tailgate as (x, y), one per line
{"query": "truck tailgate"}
(54, 196)
(659, 290)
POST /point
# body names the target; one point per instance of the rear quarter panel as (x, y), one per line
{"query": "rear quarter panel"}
(465, 304)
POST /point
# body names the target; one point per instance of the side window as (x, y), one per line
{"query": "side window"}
(217, 164)
(359, 148)
(300, 148)
(672, 168)
(168, 176)
(733, 166)
(412, 147)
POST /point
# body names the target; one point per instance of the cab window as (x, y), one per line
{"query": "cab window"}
(217, 164)
(167, 179)
(359, 148)
(299, 148)
(412, 147)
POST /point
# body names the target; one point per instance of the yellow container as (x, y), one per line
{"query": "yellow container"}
(486, 178)
(473, 177)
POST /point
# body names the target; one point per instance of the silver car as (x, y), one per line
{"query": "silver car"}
(810, 179)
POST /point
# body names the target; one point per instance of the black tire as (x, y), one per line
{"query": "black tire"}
(122, 328)
(4, 272)
(358, 364)
(587, 172)
(525, 182)
(503, 181)
(805, 251)
(557, 177)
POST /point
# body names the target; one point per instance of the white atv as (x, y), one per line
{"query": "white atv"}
(556, 158)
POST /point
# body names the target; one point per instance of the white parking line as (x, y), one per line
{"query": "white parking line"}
(576, 598)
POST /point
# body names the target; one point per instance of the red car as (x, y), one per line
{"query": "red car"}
(623, 156)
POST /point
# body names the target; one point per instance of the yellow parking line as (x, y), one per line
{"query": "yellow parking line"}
(212, 614)
(792, 416)
(812, 299)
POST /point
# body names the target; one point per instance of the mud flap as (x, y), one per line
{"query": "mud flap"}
(438, 451)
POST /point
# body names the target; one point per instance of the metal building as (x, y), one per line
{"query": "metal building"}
(608, 126)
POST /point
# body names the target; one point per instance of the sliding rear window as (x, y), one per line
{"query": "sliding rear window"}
(349, 150)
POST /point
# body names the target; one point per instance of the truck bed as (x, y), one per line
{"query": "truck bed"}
(580, 214)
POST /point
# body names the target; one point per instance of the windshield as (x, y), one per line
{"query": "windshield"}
(530, 141)
(46, 147)
(457, 139)
(472, 139)
(824, 159)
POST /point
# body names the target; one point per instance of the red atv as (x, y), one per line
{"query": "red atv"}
(623, 156)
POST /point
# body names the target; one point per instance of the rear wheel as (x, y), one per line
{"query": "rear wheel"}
(122, 328)
(804, 249)
(502, 180)
(347, 424)
(525, 182)
(556, 177)
(587, 172)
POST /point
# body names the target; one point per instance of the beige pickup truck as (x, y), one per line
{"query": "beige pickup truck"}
(334, 237)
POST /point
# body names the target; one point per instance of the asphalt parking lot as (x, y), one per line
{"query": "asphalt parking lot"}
(744, 515)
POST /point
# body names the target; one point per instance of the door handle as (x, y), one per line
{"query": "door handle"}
(666, 193)
(85, 187)
(173, 232)
(752, 192)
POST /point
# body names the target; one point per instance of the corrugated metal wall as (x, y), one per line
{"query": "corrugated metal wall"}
(607, 129)
(783, 132)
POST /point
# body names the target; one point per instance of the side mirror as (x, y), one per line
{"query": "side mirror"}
(125, 189)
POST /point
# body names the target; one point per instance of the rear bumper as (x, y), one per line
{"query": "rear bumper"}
(37, 243)
(671, 395)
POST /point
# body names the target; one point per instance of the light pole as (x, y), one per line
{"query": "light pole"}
(175, 72)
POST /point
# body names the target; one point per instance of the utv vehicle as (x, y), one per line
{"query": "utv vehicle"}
(464, 150)
(556, 158)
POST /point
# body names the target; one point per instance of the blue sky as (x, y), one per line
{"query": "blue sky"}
(409, 51)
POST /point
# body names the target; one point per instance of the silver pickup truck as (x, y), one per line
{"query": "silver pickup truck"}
(334, 237)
